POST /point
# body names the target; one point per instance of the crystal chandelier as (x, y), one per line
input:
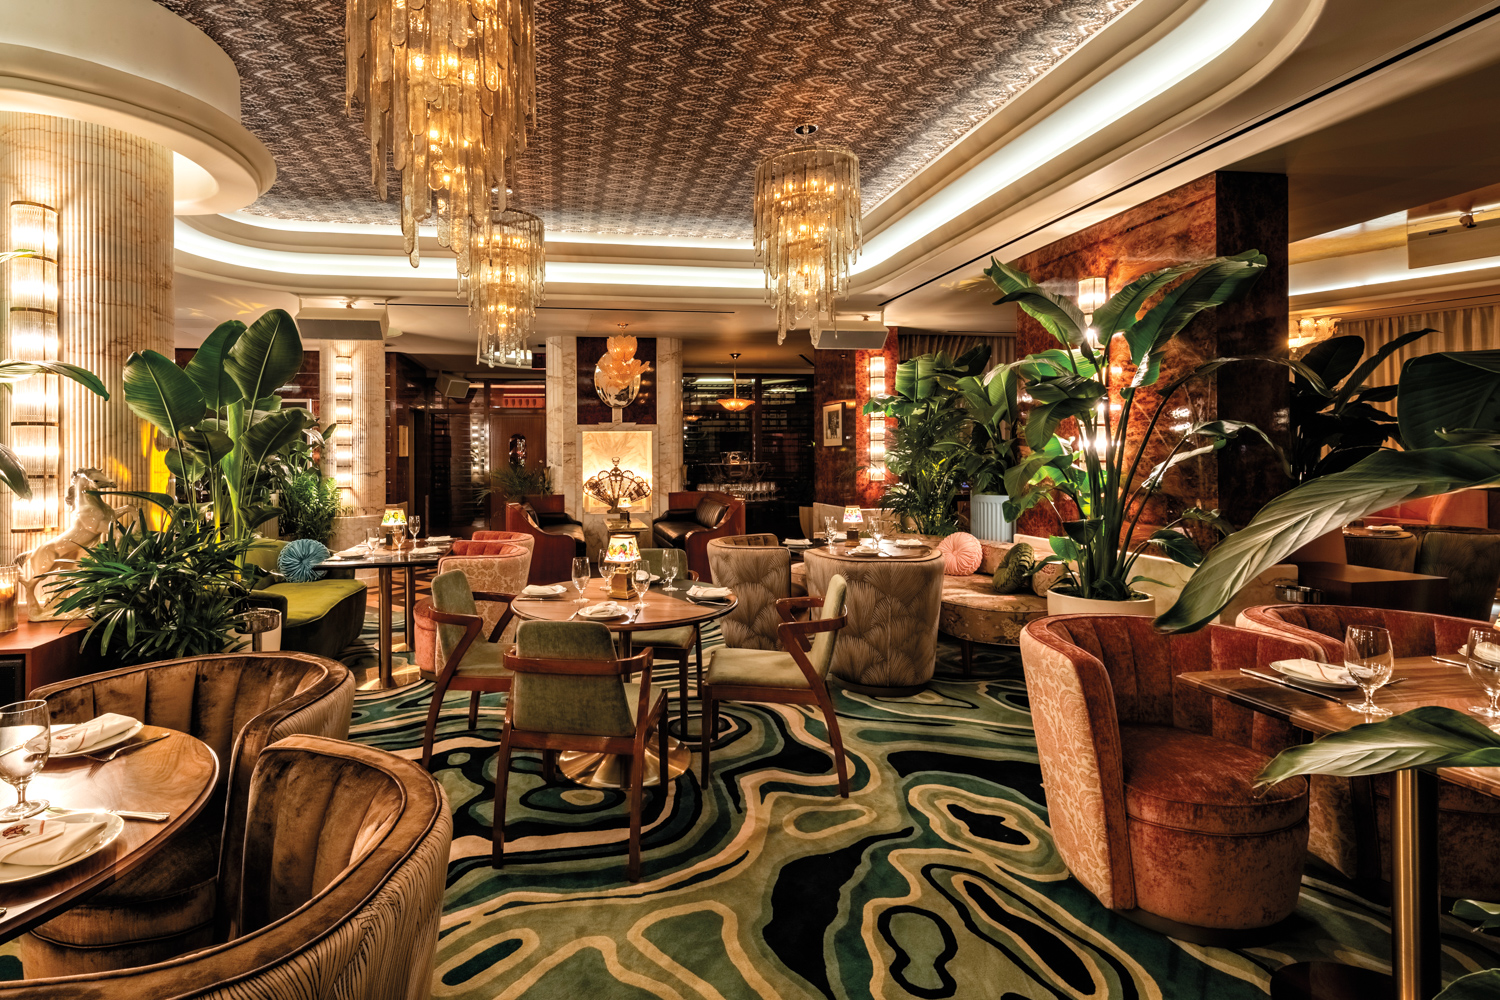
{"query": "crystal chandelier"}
(807, 231)
(505, 287)
(447, 87)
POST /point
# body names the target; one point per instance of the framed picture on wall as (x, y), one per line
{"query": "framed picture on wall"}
(833, 425)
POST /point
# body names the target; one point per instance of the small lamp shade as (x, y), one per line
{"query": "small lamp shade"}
(622, 549)
(853, 516)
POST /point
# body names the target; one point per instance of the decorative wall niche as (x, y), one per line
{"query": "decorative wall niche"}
(634, 449)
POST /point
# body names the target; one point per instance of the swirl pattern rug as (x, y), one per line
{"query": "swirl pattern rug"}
(936, 878)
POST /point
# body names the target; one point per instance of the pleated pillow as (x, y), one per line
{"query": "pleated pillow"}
(962, 554)
(298, 558)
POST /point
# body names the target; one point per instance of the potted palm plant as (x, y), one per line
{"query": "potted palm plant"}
(1094, 469)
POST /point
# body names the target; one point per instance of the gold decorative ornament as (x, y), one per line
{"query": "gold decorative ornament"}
(617, 377)
(619, 488)
(807, 230)
(505, 286)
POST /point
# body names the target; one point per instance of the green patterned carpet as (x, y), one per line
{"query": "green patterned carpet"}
(936, 878)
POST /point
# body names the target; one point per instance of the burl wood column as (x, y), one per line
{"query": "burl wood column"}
(1217, 215)
(113, 195)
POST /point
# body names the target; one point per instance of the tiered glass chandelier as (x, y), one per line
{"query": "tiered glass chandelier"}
(447, 87)
(505, 287)
(807, 231)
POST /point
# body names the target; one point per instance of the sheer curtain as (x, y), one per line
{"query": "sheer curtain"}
(912, 345)
(1474, 328)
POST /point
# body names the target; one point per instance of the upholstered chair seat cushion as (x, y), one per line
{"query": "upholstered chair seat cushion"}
(484, 659)
(308, 602)
(754, 668)
(681, 636)
(1190, 781)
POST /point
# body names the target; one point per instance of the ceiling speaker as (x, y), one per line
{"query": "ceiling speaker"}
(452, 385)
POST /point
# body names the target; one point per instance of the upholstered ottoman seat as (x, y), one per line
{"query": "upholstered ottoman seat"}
(1204, 848)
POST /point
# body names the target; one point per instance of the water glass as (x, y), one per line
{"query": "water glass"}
(372, 540)
(642, 582)
(668, 574)
(414, 524)
(581, 574)
(1483, 652)
(25, 744)
(1369, 660)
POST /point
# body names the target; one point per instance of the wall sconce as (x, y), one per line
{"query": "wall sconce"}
(32, 294)
(343, 414)
(479, 447)
(1310, 329)
(1092, 293)
(877, 419)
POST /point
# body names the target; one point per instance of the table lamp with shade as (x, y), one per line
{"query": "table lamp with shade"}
(853, 518)
(619, 488)
(622, 556)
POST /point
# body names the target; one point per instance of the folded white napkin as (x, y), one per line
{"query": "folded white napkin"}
(797, 541)
(427, 550)
(352, 551)
(440, 538)
(543, 590)
(1312, 670)
(40, 842)
(709, 593)
(608, 609)
(86, 734)
(909, 543)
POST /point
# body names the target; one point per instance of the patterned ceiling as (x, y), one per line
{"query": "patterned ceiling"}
(652, 114)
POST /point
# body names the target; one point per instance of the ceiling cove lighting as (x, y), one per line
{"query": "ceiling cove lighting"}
(807, 230)
(447, 87)
(505, 287)
(32, 290)
(734, 403)
(1192, 45)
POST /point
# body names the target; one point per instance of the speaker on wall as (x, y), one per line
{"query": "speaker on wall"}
(453, 386)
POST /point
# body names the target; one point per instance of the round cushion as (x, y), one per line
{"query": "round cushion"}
(1046, 578)
(1012, 573)
(962, 554)
(298, 558)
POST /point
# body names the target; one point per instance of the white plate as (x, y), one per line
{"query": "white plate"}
(113, 825)
(113, 741)
(1297, 670)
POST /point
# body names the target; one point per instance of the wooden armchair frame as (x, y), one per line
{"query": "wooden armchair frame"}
(632, 747)
(795, 636)
(446, 677)
(679, 655)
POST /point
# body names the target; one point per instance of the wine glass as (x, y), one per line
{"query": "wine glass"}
(668, 574)
(372, 540)
(1483, 653)
(414, 524)
(877, 532)
(642, 582)
(25, 743)
(581, 574)
(1369, 660)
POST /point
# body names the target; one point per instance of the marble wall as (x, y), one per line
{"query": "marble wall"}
(365, 498)
(1219, 214)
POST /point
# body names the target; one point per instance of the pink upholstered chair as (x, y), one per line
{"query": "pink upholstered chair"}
(1459, 509)
(1342, 818)
(1148, 782)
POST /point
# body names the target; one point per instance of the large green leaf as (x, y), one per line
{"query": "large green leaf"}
(158, 391)
(1487, 915)
(265, 356)
(269, 434)
(1333, 359)
(1209, 287)
(1059, 315)
(1176, 546)
(1119, 313)
(1483, 985)
(1318, 507)
(13, 473)
(12, 371)
(207, 444)
(1430, 736)
(1448, 391)
(1357, 380)
(207, 367)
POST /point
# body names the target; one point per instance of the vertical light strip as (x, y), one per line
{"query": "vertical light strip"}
(32, 293)
(877, 419)
(343, 415)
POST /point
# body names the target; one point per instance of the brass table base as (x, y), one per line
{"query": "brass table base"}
(607, 770)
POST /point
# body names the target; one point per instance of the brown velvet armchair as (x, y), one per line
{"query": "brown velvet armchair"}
(238, 704)
(337, 892)
(553, 547)
(692, 520)
(1347, 811)
(1148, 784)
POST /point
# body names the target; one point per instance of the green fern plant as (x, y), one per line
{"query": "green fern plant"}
(309, 503)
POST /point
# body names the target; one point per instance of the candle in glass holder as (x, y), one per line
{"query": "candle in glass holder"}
(10, 581)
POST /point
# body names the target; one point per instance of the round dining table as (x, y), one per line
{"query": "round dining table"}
(660, 610)
(385, 561)
(175, 774)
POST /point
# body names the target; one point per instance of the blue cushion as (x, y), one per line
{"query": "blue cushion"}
(298, 558)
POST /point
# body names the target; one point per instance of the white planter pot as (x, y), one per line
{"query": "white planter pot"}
(987, 518)
(1067, 604)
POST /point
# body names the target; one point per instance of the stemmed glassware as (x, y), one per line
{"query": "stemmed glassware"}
(1369, 660)
(414, 525)
(25, 744)
(877, 532)
(581, 574)
(642, 583)
(1483, 653)
(668, 574)
(372, 540)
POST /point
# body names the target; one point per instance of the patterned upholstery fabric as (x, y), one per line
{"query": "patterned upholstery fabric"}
(348, 849)
(1471, 562)
(236, 703)
(893, 607)
(758, 569)
(486, 543)
(1148, 788)
(765, 668)
(503, 571)
(1468, 822)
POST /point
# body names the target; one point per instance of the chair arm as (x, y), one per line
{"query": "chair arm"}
(793, 634)
(787, 607)
(505, 616)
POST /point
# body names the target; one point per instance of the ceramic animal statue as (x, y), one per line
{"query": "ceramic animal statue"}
(91, 517)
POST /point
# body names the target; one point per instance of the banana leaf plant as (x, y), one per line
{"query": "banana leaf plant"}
(1448, 405)
(1095, 470)
(223, 423)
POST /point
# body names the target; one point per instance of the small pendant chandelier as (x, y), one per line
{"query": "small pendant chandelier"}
(505, 286)
(807, 230)
(734, 403)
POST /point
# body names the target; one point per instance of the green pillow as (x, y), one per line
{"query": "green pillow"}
(1015, 569)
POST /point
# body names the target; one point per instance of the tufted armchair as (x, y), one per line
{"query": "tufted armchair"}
(236, 703)
(1148, 787)
(1346, 812)
(758, 569)
(692, 520)
(502, 568)
(552, 550)
(337, 891)
(484, 542)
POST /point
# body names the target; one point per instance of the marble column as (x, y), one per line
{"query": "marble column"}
(112, 192)
(365, 495)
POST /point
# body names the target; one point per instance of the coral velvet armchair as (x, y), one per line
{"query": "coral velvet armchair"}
(1148, 783)
(692, 520)
(552, 550)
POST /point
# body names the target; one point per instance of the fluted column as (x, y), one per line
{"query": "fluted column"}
(113, 195)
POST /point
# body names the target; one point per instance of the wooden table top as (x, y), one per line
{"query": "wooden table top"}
(1367, 533)
(1429, 683)
(888, 550)
(385, 558)
(1344, 573)
(173, 775)
(661, 610)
